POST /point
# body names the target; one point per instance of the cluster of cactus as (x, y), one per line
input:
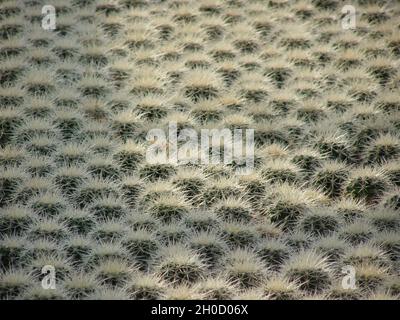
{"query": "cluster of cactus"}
(77, 191)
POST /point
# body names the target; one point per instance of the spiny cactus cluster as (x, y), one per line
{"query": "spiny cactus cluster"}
(77, 193)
